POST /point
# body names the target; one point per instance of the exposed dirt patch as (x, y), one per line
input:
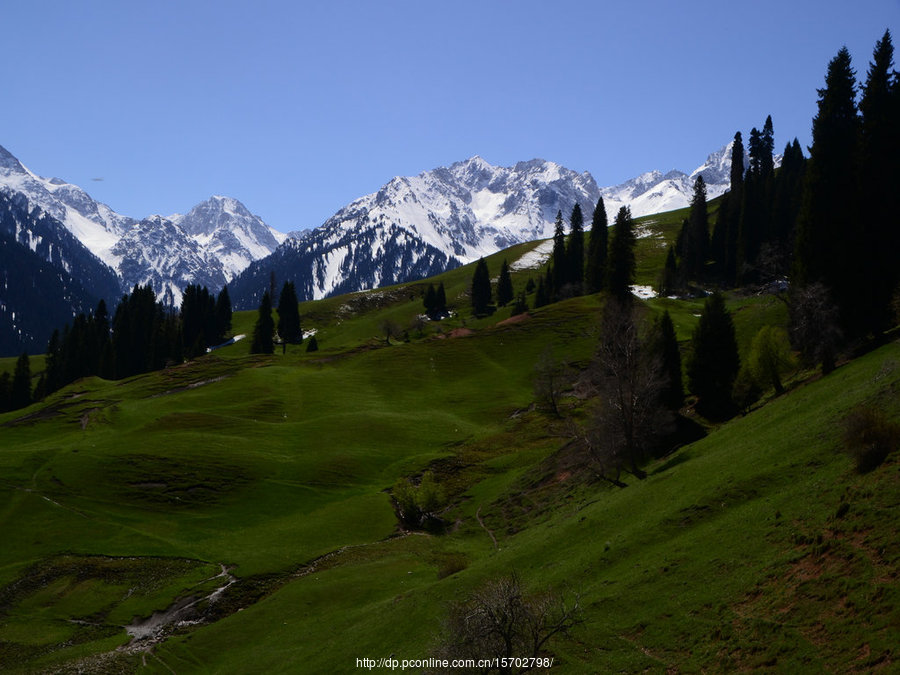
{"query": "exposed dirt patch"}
(518, 318)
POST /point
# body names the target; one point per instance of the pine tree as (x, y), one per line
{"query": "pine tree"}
(828, 239)
(558, 261)
(668, 281)
(575, 251)
(879, 149)
(20, 392)
(714, 363)
(223, 314)
(621, 263)
(540, 295)
(664, 344)
(430, 299)
(440, 300)
(312, 345)
(695, 241)
(724, 243)
(264, 330)
(481, 289)
(505, 292)
(737, 162)
(767, 143)
(52, 366)
(595, 271)
(5, 393)
(289, 315)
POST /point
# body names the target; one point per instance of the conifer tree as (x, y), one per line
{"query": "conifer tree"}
(664, 344)
(223, 314)
(430, 299)
(540, 295)
(828, 246)
(621, 263)
(595, 270)
(575, 251)
(264, 329)
(505, 291)
(767, 143)
(695, 240)
(440, 300)
(668, 281)
(558, 261)
(52, 367)
(879, 150)
(289, 315)
(5, 392)
(714, 362)
(20, 392)
(312, 345)
(737, 162)
(481, 289)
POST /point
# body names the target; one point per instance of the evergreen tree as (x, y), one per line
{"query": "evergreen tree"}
(481, 289)
(575, 251)
(440, 300)
(767, 156)
(5, 392)
(223, 314)
(558, 261)
(289, 315)
(668, 281)
(264, 329)
(879, 149)
(664, 344)
(505, 291)
(52, 366)
(828, 246)
(540, 295)
(430, 299)
(621, 263)
(737, 162)
(695, 241)
(595, 270)
(312, 345)
(20, 392)
(714, 363)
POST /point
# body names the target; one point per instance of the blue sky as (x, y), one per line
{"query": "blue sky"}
(297, 108)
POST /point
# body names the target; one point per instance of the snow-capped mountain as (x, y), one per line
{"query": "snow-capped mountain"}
(209, 245)
(430, 222)
(47, 276)
(656, 192)
(465, 211)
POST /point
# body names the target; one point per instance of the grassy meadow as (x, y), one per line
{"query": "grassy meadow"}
(756, 547)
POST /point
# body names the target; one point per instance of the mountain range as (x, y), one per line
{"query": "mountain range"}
(411, 228)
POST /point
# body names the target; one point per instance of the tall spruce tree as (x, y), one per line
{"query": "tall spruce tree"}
(714, 362)
(695, 239)
(879, 176)
(664, 344)
(289, 315)
(829, 247)
(575, 251)
(20, 393)
(440, 300)
(595, 269)
(621, 263)
(558, 262)
(264, 329)
(505, 292)
(481, 289)
(223, 314)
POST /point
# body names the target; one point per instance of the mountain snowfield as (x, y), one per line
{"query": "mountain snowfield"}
(465, 211)
(412, 226)
(209, 245)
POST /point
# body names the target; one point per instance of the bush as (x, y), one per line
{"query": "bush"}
(869, 437)
(417, 506)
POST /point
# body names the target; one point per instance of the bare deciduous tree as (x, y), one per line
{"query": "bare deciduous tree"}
(630, 414)
(501, 621)
(814, 325)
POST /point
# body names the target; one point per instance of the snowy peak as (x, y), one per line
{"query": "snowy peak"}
(210, 245)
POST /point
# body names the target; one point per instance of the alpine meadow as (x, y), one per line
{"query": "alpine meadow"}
(484, 420)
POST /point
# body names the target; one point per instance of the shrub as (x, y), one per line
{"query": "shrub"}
(869, 437)
(417, 506)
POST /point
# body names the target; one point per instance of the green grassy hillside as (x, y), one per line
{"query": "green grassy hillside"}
(268, 477)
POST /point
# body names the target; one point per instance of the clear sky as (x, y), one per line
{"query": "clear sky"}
(297, 108)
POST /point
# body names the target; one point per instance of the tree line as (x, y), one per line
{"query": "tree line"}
(142, 335)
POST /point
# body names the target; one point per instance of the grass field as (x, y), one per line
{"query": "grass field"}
(758, 546)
